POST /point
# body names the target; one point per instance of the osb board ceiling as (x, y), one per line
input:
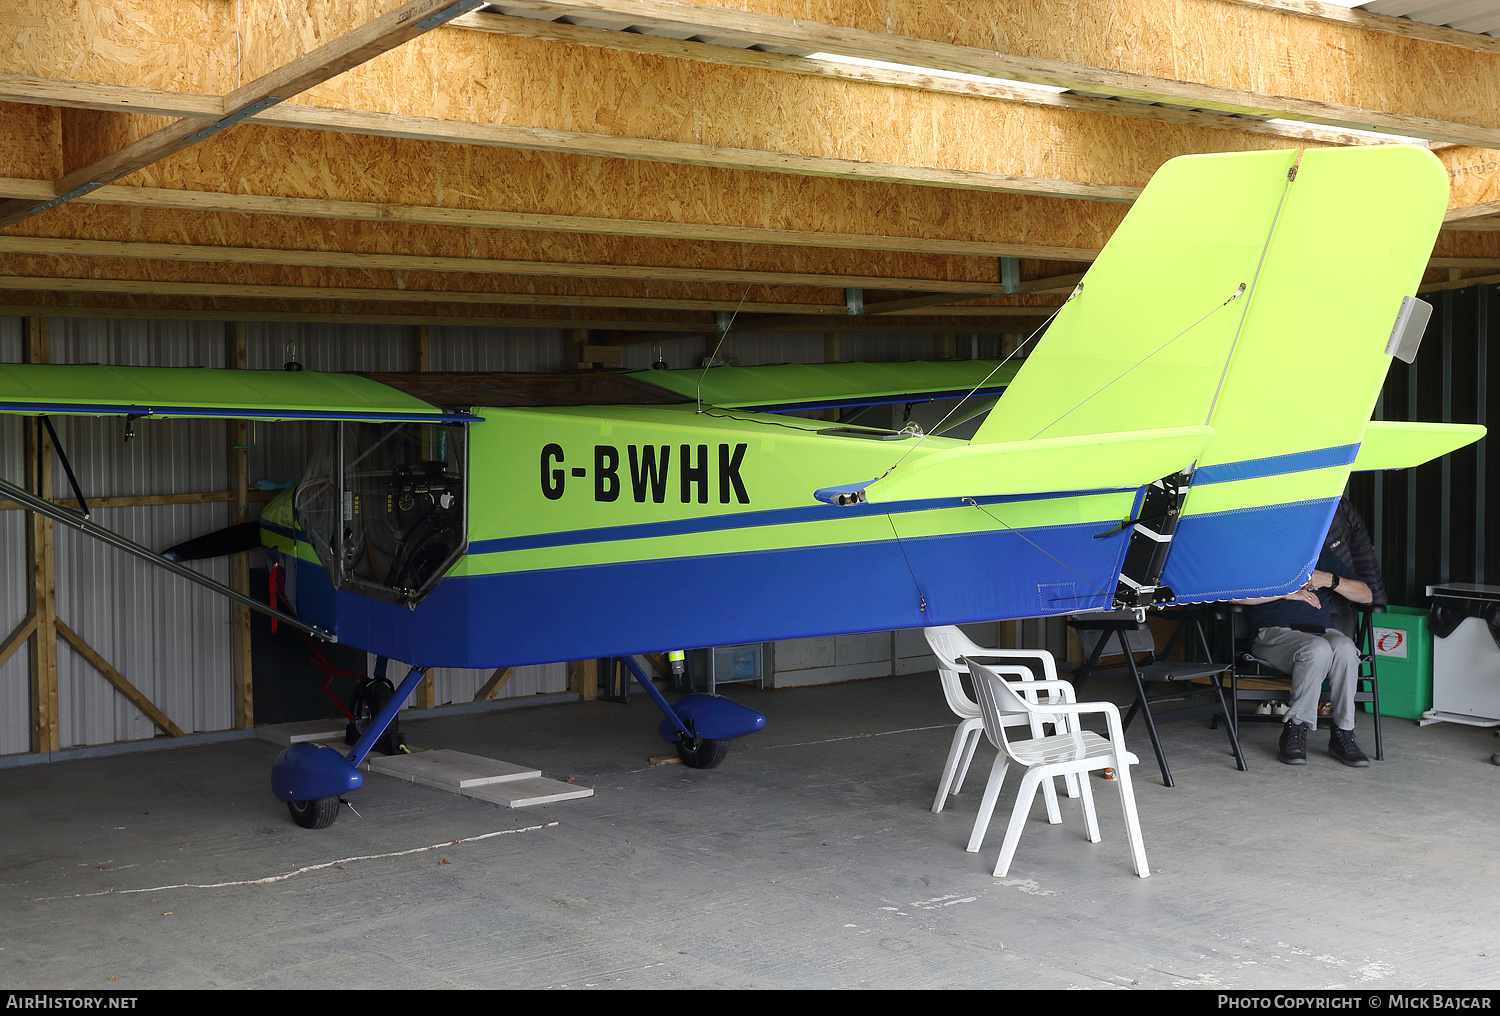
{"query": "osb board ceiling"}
(632, 167)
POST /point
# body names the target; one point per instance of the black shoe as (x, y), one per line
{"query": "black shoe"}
(1342, 747)
(1293, 749)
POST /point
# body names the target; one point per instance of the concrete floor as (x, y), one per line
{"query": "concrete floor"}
(809, 859)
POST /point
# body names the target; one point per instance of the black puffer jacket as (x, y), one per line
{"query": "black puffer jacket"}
(1349, 540)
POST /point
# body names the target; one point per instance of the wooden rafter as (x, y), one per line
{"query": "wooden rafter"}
(370, 211)
(151, 287)
(634, 42)
(571, 142)
(329, 60)
(412, 262)
(1369, 21)
(752, 28)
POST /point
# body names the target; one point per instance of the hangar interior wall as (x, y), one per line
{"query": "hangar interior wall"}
(171, 638)
(1429, 523)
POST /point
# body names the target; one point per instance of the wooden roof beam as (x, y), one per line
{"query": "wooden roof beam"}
(231, 255)
(369, 211)
(1476, 179)
(655, 45)
(160, 287)
(329, 60)
(753, 27)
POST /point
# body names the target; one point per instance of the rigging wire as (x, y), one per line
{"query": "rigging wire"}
(723, 334)
(985, 380)
(1038, 547)
(1079, 404)
(1243, 287)
(1291, 177)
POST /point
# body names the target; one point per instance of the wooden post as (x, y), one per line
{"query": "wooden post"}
(583, 677)
(241, 663)
(424, 350)
(40, 555)
(576, 339)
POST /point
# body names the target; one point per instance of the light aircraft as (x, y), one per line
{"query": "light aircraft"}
(1182, 431)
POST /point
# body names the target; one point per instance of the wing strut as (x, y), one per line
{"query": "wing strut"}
(33, 503)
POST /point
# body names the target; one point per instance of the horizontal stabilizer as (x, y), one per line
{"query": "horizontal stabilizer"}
(1391, 444)
(1079, 462)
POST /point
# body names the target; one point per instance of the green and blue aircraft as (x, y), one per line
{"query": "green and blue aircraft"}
(1181, 432)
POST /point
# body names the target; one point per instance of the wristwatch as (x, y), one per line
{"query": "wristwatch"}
(1335, 583)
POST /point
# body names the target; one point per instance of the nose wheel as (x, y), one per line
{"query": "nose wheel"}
(315, 814)
(702, 752)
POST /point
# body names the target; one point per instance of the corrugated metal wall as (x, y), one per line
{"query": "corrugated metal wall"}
(168, 637)
(171, 639)
(1430, 524)
(15, 693)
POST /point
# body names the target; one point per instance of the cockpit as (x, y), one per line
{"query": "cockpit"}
(383, 506)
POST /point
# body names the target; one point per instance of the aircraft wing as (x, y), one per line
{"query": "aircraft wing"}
(37, 389)
(803, 386)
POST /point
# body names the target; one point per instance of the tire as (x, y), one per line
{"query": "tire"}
(368, 699)
(315, 814)
(702, 752)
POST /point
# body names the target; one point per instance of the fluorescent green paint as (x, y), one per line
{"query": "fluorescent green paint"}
(787, 383)
(1400, 445)
(229, 392)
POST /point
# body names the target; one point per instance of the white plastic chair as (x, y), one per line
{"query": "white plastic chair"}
(951, 646)
(1070, 751)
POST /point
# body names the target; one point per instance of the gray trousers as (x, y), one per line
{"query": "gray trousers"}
(1311, 658)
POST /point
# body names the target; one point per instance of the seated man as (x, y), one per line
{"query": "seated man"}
(1296, 633)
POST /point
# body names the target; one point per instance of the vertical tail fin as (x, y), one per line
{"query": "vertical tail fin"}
(1325, 243)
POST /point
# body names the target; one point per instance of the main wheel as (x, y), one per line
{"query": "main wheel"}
(315, 814)
(368, 700)
(702, 752)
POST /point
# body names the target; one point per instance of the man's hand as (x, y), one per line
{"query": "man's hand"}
(1305, 596)
(1319, 580)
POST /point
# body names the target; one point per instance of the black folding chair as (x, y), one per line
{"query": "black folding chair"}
(1118, 633)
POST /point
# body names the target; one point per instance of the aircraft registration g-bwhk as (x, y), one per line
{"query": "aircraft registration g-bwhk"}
(1183, 430)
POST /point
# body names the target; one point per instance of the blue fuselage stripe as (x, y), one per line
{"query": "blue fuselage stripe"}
(507, 618)
(1276, 465)
(749, 520)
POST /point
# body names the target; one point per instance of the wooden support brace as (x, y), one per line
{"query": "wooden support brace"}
(114, 677)
(17, 638)
(499, 679)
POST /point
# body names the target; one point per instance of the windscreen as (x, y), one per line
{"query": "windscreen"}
(383, 506)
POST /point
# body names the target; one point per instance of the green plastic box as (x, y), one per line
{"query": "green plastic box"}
(1403, 662)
